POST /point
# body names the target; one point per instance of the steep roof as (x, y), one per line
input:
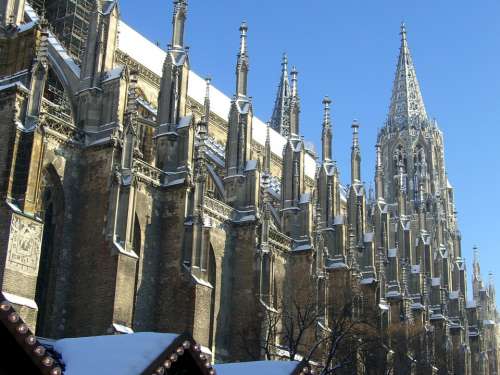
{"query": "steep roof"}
(127, 354)
(152, 57)
(407, 106)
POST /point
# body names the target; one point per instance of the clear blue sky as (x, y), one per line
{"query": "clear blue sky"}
(348, 50)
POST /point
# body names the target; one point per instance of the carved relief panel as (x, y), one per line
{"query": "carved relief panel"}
(24, 245)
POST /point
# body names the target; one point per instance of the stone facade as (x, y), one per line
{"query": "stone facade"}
(136, 195)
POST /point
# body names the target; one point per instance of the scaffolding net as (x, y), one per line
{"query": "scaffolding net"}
(69, 20)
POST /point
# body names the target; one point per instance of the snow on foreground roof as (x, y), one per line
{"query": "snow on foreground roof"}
(119, 354)
(260, 367)
(152, 57)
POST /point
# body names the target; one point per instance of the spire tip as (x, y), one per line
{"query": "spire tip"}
(403, 30)
(208, 83)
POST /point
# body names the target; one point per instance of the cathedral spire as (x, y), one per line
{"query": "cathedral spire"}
(326, 136)
(267, 150)
(355, 154)
(407, 106)
(475, 264)
(243, 65)
(203, 134)
(203, 125)
(295, 74)
(206, 104)
(379, 173)
(239, 136)
(178, 22)
(294, 104)
(279, 120)
(130, 131)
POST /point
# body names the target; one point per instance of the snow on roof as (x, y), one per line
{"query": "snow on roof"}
(335, 264)
(30, 12)
(303, 247)
(368, 237)
(122, 329)
(61, 51)
(417, 306)
(118, 354)
(470, 304)
(305, 198)
(141, 49)
(454, 294)
(338, 220)
(26, 26)
(21, 301)
(13, 84)
(109, 7)
(392, 293)
(367, 281)
(436, 281)
(261, 368)
(251, 165)
(343, 193)
(113, 74)
(310, 166)
(152, 57)
(392, 253)
(383, 306)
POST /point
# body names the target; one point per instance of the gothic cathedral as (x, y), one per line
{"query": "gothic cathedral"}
(137, 197)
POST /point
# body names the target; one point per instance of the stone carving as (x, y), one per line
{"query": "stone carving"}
(62, 130)
(24, 245)
(147, 173)
(218, 209)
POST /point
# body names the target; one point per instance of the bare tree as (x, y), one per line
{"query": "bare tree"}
(297, 326)
(296, 330)
(345, 343)
(260, 341)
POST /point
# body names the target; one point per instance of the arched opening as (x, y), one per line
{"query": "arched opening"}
(52, 196)
(145, 133)
(56, 100)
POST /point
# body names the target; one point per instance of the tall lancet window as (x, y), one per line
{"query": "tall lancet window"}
(400, 167)
(399, 158)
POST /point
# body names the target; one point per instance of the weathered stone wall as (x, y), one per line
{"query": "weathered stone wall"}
(148, 216)
(175, 290)
(95, 267)
(245, 315)
(8, 130)
(18, 51)
(221, 278)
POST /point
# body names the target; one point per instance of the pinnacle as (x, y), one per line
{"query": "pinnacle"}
(279, 121)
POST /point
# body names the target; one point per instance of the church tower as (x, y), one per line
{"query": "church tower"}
(411, 178)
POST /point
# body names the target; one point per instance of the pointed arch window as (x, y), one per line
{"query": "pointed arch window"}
(55, 100)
